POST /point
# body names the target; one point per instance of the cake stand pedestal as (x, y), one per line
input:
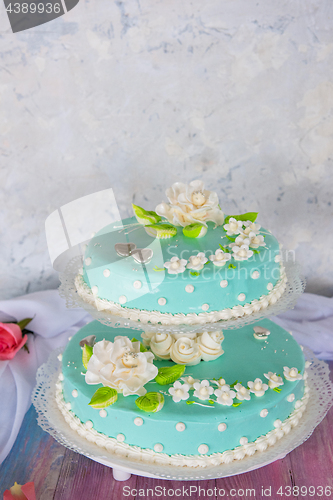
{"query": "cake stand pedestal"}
(51, 420)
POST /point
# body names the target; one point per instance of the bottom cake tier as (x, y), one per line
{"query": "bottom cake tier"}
(214, 412)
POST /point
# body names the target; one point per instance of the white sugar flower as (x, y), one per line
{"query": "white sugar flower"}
(202, 390)
(185, 351)
(273, 380)
(121, 365)
(291, 374)
(225, 395)
(251, 226)
(179, 391)
(190, 381)
(196, 262)
(233, 227)
(241, 252)
(175, 265)
(256, 240)
(257, 387)
(210, 345)
(160, 344)
(220, 382)
(220, 258)
(191, 204)
(242, 392)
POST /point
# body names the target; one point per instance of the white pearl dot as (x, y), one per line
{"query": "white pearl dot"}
(222, 427)
(180, 426)
(59, 357)
(205, 307)
(137, 284)
(277, 423)
(68, 406)
(277, 258)
(162, 301)
(75, 393)
(224, 283)
(120, 438)
(103, 413)
(87, 261)
(243, 440)
(94, 290)
(241, 297)
(203, 448)
(298, 404)
(138, 421)
(255, 275)
(158, 447)
(264, 413)
(189, 288)
(61, 376)
(89, 424)
(122, 299)
(291, 398)
(270, 286)
(106, 273)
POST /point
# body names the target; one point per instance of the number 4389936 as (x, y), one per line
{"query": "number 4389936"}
(34, 8)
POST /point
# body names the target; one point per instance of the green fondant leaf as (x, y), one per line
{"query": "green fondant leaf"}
(142, 347)
(255, 251)
(158, 268)
(195, 230)
(194, 273)
(151, 402)
(86, 355)
(233, 385)
(232, 266)
(189, 402)
(230, 238)
(236, 404)
(277, 389)
(169, 374)
(211, 401)
(244, 217)
(24, 322)
(103, 397)
(161, 230)
(224, 249)
(145, 217)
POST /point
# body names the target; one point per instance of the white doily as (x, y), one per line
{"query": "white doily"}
(294, 288)
(52, 421)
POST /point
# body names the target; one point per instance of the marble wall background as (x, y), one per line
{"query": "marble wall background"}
(137, 94)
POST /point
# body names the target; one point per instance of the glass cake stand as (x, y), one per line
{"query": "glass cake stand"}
(294, 288)
(51, 420)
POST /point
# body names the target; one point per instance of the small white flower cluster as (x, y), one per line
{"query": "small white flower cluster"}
(291, 374)
(185, 349)
(195, 263)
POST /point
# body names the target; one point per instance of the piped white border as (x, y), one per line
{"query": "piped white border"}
(148, 455)
(156, 317)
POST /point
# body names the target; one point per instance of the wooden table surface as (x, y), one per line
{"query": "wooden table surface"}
(61, 474)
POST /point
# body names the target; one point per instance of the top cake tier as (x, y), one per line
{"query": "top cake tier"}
(151, 270)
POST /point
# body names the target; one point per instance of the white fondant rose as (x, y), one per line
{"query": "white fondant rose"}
(291, 374)
(160, 344)
(197, 262)
(190, 204)
(210, 345)
(257, 387)
(242, 392)
(175, 265)
(121, 365)
(225, 395)
(273, 380)
(233, 227)
(220, 258)
(202, 390)
(179, 391)
(185, 351)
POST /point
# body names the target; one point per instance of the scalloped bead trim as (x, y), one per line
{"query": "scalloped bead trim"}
(119, 447)
(156, 317)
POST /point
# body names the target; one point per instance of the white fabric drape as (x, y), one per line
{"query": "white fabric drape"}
(311, 322)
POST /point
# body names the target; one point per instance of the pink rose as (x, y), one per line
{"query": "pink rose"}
(11, 340)
(18, 492)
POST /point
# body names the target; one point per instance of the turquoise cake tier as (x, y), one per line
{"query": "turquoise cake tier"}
(183, 427)
(122, 285)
